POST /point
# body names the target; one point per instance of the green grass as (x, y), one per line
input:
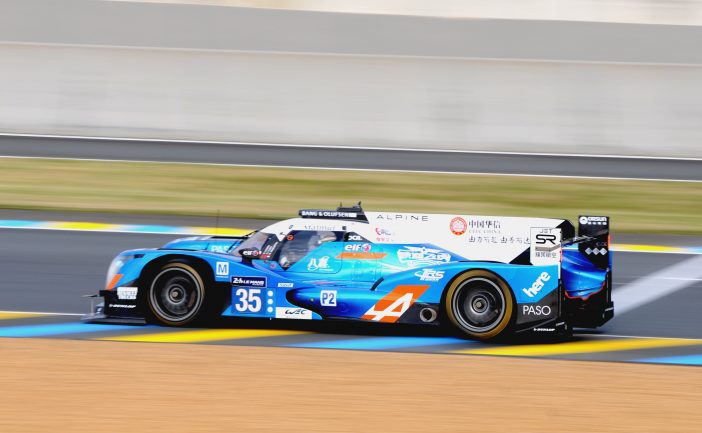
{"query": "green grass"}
(635, 206)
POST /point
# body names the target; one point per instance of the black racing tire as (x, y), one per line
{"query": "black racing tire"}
(479, 304)
(176, 295)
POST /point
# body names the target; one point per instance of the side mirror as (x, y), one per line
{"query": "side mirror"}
(249, 254)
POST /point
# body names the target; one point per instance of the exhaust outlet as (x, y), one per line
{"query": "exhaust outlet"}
(427, 315)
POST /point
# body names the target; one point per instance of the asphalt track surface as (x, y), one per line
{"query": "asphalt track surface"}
(48, 271)
(352, 158)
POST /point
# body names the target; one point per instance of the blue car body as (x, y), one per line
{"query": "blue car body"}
(351, 265)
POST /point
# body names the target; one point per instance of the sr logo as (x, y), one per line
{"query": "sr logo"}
(546, 242)
(536, 310)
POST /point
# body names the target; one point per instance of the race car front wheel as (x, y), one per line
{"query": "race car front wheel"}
(480, 304)
(176, 295)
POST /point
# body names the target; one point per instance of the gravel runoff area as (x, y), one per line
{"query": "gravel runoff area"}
(109, 386)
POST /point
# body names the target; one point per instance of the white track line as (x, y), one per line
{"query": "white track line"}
(324, 146)
(377, 170)
(657, 285)
(681, 279)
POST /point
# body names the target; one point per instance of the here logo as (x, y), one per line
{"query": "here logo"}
(537, 285)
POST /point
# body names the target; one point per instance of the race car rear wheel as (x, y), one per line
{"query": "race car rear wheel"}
(176, 295)
(480, 304)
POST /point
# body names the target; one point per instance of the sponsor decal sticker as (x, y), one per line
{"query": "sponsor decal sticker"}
(285, 285)
(593, 220)
(320, 227)
(293, 313)
(248, 299)
(327, 298)
(546, 242)
(222, 269)
(545, 248)
(537, 285)
(122, 306)
(250, 253)
(250, 281)
(429, 275)
(355, 238)
(218, 248)
(361, 256)
(414, 257)
(383, 234)
(318, 264)
(358, 247)
(127, 293)
(458, 226)
(536, 310)
(403, 217)
(393, 305)
(498, 239)
(596, 251)
(314, 213)
(486, 225)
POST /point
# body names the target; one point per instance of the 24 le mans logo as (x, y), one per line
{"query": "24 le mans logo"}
(250, 281)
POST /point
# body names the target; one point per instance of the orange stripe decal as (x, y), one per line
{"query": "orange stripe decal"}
(393, 305)
(361, 256)
(113, 282)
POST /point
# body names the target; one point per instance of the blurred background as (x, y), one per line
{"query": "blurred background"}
(575, 76)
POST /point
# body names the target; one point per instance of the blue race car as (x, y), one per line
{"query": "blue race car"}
(484, 276)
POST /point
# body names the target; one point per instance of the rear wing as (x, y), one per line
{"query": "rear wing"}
(594, 240)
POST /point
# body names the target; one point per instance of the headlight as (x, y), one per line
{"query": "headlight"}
(115, 267)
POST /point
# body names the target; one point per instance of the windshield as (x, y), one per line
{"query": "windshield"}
(299, 244)
(256, 240)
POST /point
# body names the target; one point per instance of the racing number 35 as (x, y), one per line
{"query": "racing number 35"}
(249, 300)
